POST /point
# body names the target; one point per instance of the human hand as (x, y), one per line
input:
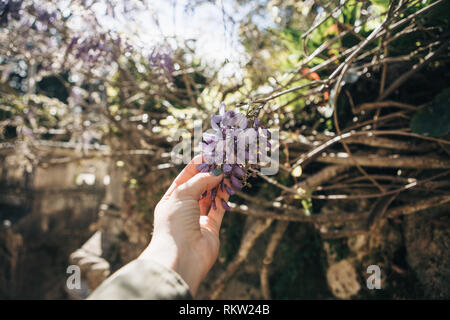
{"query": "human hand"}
(186, 229)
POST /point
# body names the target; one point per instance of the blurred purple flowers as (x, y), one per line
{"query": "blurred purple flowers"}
(232, 149)
(9, 9)
(91, 49)
(162, 59)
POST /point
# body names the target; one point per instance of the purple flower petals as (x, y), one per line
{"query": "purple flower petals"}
(229, 120)
(209, 158)
(238, 172)
(230, 114)
(221, 145)
(201, 167)
(213, 194)
(203, 195)
(241, 121)
(267, 133)
(264, 142)
(222, 108)
(229, 190)
(214, 125)
(227, 168)
(208, 148)
(216, 118)
(210, 137)
(235, 183)
(225, 205)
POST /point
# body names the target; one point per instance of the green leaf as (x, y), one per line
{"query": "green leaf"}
(384, 4)
(433, 120)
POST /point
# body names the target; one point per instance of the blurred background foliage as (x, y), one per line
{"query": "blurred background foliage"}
(376, 71)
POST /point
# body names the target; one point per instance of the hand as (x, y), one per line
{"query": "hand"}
(186, 229)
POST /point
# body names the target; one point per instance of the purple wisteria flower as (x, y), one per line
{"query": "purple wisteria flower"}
(9, 9)
(232, 149)
(91, 49)
(162, 59)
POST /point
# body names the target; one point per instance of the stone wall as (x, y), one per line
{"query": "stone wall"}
(45, 214)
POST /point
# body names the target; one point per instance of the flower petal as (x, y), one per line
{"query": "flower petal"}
(209, 157)
(214, 125)
(267, 133)
(213, 194)
(241, 121)
(208, 148)
(235, 183)
(222, 108)
(227, 168)
(225, 205)
(216, 118)
(209, 137)
(203, 195)
(238, 172)
(229, 119)
(201, 166)
(229, 190)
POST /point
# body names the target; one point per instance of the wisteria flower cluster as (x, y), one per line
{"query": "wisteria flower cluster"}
(162, 58)
(9, 9)
(91, 49)
(229, 126)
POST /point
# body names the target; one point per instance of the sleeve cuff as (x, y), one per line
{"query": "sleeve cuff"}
(144, 280)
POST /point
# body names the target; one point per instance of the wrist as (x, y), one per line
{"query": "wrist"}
(176, 259)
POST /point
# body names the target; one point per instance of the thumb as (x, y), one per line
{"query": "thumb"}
(194, 187)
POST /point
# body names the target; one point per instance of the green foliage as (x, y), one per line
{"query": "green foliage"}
(383, 4)
(352, 12)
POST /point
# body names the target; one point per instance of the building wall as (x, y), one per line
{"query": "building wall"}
(45, 214)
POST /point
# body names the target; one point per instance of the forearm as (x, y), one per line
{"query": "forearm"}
(170, 255)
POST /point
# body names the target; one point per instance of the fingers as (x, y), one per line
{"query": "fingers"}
(215, 217)
(194, 187)
(188, 172)
(205, 205)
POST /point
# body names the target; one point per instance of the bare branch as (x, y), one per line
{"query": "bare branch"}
(247, 243)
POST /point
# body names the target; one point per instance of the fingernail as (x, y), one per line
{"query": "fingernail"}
(217, 172)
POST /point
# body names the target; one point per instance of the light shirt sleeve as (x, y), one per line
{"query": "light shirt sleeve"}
(142, 280)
